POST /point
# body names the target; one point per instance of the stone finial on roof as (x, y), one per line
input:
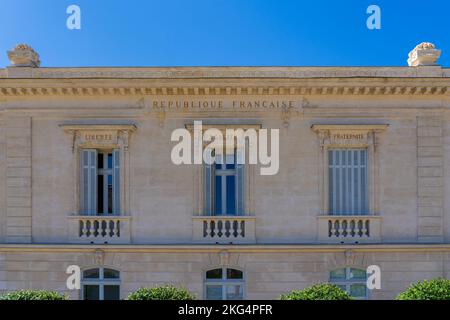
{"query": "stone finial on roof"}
(24, 56)
(424, 54)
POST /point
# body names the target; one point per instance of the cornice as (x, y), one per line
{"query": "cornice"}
(224, 87)
(244, 248)
(225, 72)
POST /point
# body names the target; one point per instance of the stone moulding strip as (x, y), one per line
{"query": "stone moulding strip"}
(244, 248)
(223, 87)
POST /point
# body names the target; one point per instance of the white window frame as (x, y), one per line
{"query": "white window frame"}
(249, 173)
(349, 281)
(346, 136)
(120, 134)
(101, 282)
(224, 282)
(223, 172)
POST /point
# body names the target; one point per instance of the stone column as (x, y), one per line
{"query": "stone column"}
(430, 179)
(18, 179)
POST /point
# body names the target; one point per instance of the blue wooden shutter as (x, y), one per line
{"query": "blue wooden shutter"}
(89, 182)
(347, 171)
(240, 185)
(116, 182)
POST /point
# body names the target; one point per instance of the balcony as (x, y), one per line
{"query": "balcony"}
(99, 229)
(224, 229)
(349, 229)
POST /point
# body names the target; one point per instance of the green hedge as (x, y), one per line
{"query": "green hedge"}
(33, 295)
(435, 289)
(321, 291)
(161, 293)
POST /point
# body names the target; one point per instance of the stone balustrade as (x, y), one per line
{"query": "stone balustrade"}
(349, 229)
(100, 229)
(224, 229)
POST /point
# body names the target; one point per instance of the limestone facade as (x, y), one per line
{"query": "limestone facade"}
(286, 237)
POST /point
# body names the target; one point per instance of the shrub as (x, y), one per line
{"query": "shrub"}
(161, 293)
(321, 291)
(33, 295)
(435, 289)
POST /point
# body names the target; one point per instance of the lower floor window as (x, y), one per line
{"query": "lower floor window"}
(224, 284)
(101, 284)
(351, 280)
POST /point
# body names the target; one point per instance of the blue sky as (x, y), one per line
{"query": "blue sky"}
(224, 33)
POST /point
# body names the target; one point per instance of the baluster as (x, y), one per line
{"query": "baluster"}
(83, 229)
(88, 228)
(213, 228)
(363, 229)
(228, 228)
(345, 227)
(112, 228)
(242, 224)
(360, 229)
(340, 230)
(352, 228)
(118, 229)
(331, 229)
(205, 229)
(237, 228)
(220, 228)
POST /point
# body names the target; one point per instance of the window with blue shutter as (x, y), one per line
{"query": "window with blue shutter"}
(88, 182)
(100, 182)
(347, 182)
(224, 187)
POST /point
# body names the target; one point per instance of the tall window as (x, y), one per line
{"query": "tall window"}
(100, 177)
(224, 284)
(348, 185)
(351, 280)
(100, 284)
(224, 186)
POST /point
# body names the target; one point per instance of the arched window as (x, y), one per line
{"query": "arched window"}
(100, 284)
(224, 284)
(352, 280)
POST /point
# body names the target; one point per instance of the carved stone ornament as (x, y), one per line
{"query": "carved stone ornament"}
(100, 135)
(24, 56)
(424, 54)
(99, 257)
(224, 257)
(342, 135)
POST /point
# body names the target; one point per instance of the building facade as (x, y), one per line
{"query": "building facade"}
(87, 178)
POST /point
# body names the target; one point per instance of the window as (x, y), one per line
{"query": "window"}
(224, 284)
(347, 183)
(100, 284)
(224, 186)
(100, 194)
(351, 280)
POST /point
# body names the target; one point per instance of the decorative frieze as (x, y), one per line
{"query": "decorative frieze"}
(36, 90)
